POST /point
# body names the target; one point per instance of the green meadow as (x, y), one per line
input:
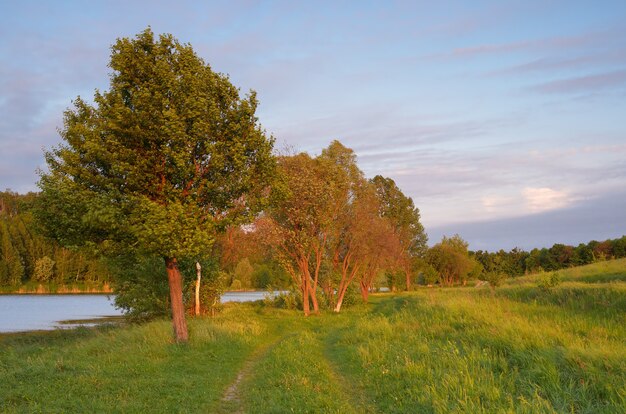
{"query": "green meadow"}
(522, 350)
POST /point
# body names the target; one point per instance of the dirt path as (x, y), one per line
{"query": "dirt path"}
(231, 400)
(353, 391)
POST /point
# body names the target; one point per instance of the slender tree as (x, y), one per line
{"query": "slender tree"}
(405, 218)
(162, 161)
(300, 221)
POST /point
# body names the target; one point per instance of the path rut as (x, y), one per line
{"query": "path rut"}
(231, 400)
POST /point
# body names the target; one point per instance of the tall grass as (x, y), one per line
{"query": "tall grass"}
(126, 370)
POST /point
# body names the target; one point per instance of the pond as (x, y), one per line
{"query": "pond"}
(42, 312)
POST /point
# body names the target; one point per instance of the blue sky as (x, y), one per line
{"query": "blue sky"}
(505, 121)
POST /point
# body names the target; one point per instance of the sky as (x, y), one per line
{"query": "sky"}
(505, 121)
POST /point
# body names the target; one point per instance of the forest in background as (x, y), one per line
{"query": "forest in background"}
(27, 257)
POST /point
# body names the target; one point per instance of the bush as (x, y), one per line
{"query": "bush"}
(549, 281)
(236, 285)
(44, 269)
(494, 279)
(291, 299)
(428, 275)
(212, 286)
(142, 289)
(141, 286)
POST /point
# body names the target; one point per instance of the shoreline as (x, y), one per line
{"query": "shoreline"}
(41, 289)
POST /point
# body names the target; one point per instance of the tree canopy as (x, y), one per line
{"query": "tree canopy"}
(405, 219)
(330, 226)
(164, 159)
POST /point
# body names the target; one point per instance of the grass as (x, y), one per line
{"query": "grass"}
(56, 288)
(431, 351)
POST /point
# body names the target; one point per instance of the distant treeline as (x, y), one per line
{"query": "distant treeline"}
(518, 262)
(26, 256)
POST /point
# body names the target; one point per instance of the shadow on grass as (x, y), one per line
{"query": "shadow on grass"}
(55, 337)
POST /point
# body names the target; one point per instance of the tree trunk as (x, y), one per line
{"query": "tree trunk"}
(316, 306)
(365, 291)
(176, 297)
(407, 273)
(305, 301)
(339, 303)
(199, 273)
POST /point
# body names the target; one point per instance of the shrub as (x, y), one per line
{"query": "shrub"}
(44, 269)
(429, 275)
(284, 300)
(549, 281)
(494, 279)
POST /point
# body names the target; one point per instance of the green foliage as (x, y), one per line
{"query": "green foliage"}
(162, 161)
(494, 279)
(476, 270)
(25, 255)
(212, 286)
(451, 260)
(164, 157)
(141, 286)
(44, 269)
(518, 262)
(243, 274)
(549, 280)
(403, 214)
(142, 291)
(11, 268)
(394, 279)
(428, 274)
(270, 274)
(289, 299)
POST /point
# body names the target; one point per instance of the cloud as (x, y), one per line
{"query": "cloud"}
(496, 203)
(589, 83)
(544, 199)
(559, 63)
(555, 44)
(593, 219)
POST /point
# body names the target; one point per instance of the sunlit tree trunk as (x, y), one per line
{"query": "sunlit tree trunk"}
(346, 279)
(305, 297)
(176, 296)
(199, 273)
(365, 291)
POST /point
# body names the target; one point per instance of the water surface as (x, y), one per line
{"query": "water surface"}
(35, 312)
(43, 312)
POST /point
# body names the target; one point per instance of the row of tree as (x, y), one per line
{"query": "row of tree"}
(330, 227)
(27, 256)
(518, 262)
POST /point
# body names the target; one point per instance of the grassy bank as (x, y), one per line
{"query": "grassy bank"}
(31, 288)
(435, 350)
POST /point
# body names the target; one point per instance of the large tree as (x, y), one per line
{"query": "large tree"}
(359, 237)
(450, 258)
(159, 163)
